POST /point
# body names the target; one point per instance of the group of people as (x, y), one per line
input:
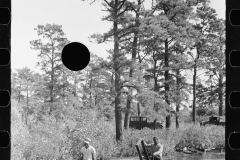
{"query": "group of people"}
(88, 152)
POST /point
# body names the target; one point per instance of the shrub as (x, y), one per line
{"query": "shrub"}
(187, 135)
(101, 134)
(131, 137)
(20, 137)
(62, 139)
(211, 136)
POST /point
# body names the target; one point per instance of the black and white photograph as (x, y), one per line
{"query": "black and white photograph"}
(148, 81)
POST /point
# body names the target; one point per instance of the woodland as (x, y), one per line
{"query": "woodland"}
(167, 62)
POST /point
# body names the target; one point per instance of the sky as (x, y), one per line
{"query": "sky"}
(79, 20)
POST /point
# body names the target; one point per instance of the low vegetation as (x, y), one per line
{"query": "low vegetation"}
(50, 139)
(214, 136)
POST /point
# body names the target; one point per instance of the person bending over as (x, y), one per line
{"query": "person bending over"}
(156, 149)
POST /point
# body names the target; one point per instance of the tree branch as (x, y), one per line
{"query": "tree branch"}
(92, 2)
(122, 3)
(125, 9)
(108, 4)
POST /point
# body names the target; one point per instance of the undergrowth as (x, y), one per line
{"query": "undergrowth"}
(50, 139)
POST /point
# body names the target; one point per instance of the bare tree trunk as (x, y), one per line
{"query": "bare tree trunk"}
(52, 75)
(27, 95)
(52, 82)
(128, 111)
(138, 109)
(178, 101)
(177, 116)
(75, 86)
(220, 94)
(19, 94)
(194, 94)
(26, 118)
(166, 75)
(116, 55)
(194, 87)
(156, 88)
(64, 86)
(211, 101)
(90, 87)
(134, 53)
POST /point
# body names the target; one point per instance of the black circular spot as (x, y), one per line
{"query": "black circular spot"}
(75, 56)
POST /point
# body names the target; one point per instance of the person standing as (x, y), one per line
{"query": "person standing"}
(88, 152)
(156, 149)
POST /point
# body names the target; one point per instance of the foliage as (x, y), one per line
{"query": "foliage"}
(51, 139)
(153, 104)
(22, 83)
(58, 108)
(213, 136)
(101, 134)
(50, 54)
(21, 138)
(209, 137)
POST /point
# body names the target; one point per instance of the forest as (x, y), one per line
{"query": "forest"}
(167, 62)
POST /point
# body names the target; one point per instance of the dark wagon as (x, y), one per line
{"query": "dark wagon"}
(140, 122)
(214, 120)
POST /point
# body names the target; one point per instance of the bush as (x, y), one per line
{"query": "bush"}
(101, 134)
(167, 139)
(62, 139)
(20, 137)
(210, 136)
(187, 135)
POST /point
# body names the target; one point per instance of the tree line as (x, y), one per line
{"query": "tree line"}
(157, 45)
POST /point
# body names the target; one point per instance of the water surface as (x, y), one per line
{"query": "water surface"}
(182, 156)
